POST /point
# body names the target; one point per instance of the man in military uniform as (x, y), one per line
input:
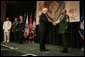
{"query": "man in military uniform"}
(6, 27)
(63, 25)
(63, 29)
(15, 30)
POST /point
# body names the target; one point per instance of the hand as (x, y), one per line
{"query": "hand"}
(54, 23)
(57, 21)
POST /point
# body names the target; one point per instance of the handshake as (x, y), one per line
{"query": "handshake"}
(56, 22)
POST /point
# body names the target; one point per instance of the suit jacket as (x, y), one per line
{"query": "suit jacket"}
(44, 23)
(21, 26)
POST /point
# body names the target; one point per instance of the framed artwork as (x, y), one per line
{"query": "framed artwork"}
(55, 7)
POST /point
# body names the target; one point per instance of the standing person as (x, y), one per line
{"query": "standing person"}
(6, 27)
(63, 27)
(15, 29)
(43, 29)
(21, 30)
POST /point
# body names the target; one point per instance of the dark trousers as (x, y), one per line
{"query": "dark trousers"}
(21, 37)
(42, 36)
(64, 41)
(15, 36)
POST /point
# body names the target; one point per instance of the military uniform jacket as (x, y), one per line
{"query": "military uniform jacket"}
(63, 24)
(15, 26)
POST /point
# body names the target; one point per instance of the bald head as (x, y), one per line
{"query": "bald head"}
(44, 10)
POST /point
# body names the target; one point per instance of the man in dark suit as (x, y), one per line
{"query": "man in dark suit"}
(43, 29)
(21, 30)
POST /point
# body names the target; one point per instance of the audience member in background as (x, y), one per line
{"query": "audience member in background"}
(6, 27)
(21, 30)
(15, 30)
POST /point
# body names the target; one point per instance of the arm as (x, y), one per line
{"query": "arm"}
(10, 25)
(58, 21)
(54, 23)
(17, 28)
(50, 20)
(48, 17)
(3, 26)
(23, 27)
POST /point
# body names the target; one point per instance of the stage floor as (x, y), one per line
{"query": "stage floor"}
(32, 49)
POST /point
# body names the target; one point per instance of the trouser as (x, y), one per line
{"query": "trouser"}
(65, 42)
(6, 36)
(21, 37)
(42, 37)
(15, 35)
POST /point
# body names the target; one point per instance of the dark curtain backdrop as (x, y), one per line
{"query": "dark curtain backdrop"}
(54, 38)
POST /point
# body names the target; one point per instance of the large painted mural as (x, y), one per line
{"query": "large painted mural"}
(55, 7)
